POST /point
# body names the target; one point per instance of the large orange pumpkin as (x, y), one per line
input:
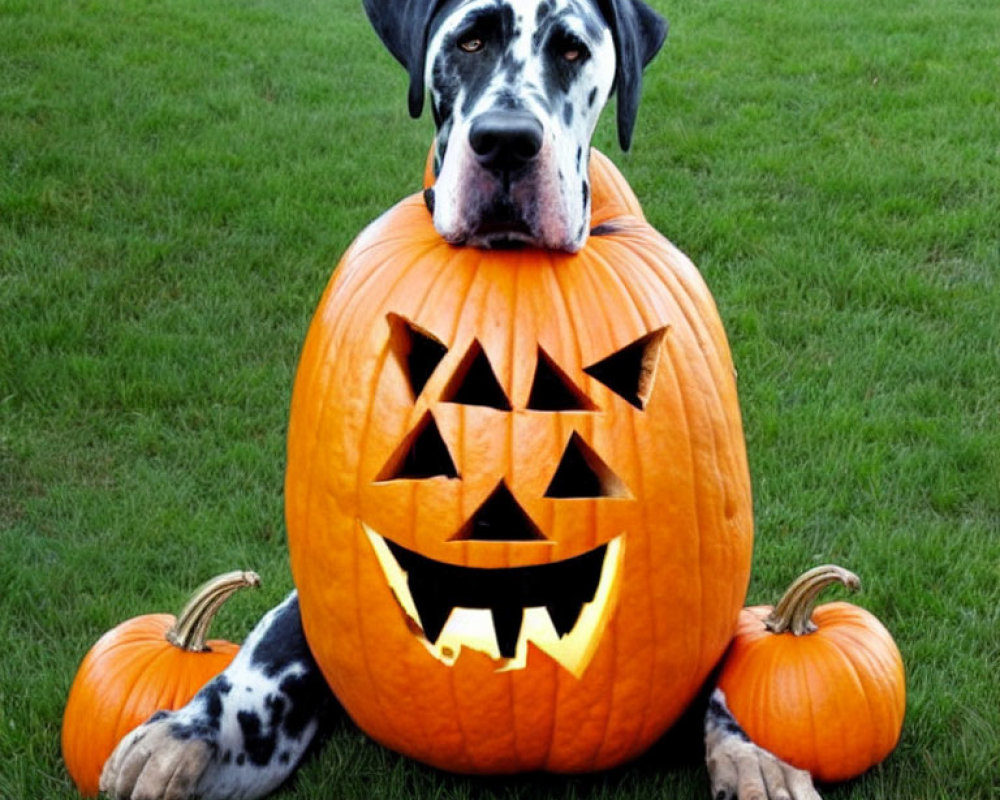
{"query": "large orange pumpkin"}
(822, 688)
(610, 194)
(517, 494)
(143, 665)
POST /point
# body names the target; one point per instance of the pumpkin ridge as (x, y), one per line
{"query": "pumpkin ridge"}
(679, 368)
(562, 273)
(677, 290)
(810, 712)
(863, 687)
(134, 692)
(594, 291)
(553, 713)
(849, 691)
(610, 631)
(695, 307)
(760, 696)
(463, 729)
(719, 452)
(356, 551)
(644, 716)
(723, 371)
(515, 279)
(640, 730)
(512, 703)
(327, 344)
(868, 684)
(559, 275)
(452, 337)
(164, 662)
(742, 705)
(538, 280)
(554, 276)
(439, 277)
(461, 311)
(654, 611)
(81, 751)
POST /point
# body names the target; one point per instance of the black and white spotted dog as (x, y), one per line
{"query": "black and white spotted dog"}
(516, 88)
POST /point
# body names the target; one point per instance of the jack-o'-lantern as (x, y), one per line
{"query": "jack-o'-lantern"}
(517, 494)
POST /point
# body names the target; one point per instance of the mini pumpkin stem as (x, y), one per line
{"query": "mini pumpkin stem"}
(794, 610)
(191, 628)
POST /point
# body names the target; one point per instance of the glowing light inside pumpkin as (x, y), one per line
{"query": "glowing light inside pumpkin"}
(476, 628)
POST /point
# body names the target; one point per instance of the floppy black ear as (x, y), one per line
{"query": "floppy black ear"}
(402, 25)
(638, 32)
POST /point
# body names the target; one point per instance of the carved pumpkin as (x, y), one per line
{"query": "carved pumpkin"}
(823, 689)
(146, 664)
(610, 194)
(517, 495)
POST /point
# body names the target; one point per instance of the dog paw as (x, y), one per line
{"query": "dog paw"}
(740, 770)
(159, 760)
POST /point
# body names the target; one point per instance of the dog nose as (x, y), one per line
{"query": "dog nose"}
(505, 140)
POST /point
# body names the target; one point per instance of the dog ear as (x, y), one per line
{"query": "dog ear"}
(638, 33)
(402, 25)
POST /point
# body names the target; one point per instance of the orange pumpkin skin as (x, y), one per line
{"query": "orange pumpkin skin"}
(132, 672)
(830, 702)
(611, 195)
(683, 514)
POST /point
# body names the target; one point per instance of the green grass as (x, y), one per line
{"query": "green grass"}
(177, 180)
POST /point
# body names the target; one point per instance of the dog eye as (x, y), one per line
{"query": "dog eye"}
(471, 45)
(568, 48)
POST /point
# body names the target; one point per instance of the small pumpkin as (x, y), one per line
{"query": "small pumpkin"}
(610, 194)
(517, 495)
(146, 664)
(823, 688)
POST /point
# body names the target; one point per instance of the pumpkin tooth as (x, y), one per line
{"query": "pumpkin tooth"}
(507, 621)
(431, 608)
(564, 615)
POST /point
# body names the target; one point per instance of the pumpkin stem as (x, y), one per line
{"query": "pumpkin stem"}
(191, 628)
(794, 610)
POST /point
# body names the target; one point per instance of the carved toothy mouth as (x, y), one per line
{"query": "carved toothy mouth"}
(561, 607)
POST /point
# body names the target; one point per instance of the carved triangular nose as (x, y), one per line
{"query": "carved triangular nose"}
(499, 519)
(505, 140)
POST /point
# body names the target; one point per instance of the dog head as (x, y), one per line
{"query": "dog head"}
(516, 89)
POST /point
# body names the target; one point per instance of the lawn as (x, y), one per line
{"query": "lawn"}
(178, 179)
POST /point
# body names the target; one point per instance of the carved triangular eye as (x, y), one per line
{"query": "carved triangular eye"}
(583, 473)
(499, 519)
(629, 372)
(416, 350)
(475, 384)
(552, 390)
(423, 454)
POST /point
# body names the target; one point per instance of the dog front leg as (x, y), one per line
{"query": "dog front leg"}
(241, 735)
(740, 770)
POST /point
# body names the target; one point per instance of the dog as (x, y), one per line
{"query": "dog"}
(516, 89)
